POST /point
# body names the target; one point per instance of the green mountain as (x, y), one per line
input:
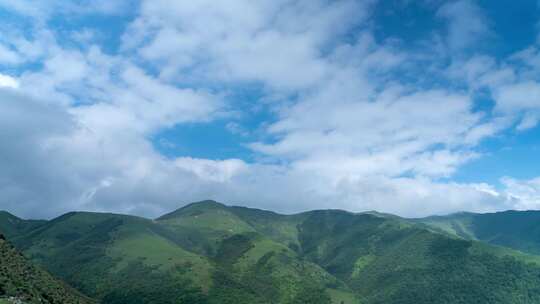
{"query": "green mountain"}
(519, 230)
(207, 252)
(11, 226)
(21, 282)
(105, 254)
(392, 261)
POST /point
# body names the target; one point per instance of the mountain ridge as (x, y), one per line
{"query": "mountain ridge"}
(223, 205)
(208, 252)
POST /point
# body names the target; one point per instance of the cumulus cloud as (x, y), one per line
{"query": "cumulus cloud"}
(28, 173)
(53, 162)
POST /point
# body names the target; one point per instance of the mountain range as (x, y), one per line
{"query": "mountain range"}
(207, 252)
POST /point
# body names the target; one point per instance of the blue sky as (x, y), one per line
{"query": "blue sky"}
(409, 107)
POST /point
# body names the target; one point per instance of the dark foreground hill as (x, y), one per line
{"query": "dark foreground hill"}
(210, 253)
(21, 282)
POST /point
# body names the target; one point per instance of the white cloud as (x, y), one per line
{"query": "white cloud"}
(525, 194)
(466, 23)
(236, 128)
(395, 133)
(17, 49)
(530, 120)
(51, 158)
(511, 82)
(44, 9)
(8, 81)
(8, 56)
(86, 169)
(109, 92)
(24, 7)
(80, 125)
(518, 97)
(521, 100)
(473, 70)
(275, 42)
(212, 170)
(418, 197)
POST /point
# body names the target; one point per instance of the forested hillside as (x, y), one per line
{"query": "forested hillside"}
(519, 230)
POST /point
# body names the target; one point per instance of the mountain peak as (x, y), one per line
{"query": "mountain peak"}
(195, 206)
(206, 203)
(6, 214)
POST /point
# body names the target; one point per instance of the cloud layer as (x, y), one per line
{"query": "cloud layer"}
(358, 122)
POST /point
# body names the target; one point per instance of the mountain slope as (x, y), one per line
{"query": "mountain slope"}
(101, 254)
(518, 230)
(388, 261)
(29, 284)
(12, 226)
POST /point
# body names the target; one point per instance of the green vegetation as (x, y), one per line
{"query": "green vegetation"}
(12, 226)
(519, 230)
(209, 253)
(20, 280)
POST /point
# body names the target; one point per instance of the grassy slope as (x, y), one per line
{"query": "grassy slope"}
(278, 227)
(20, 279)
(157, 252)
(252, 251)
(201, 227)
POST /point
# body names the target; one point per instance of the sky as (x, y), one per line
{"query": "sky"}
(413, 108)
